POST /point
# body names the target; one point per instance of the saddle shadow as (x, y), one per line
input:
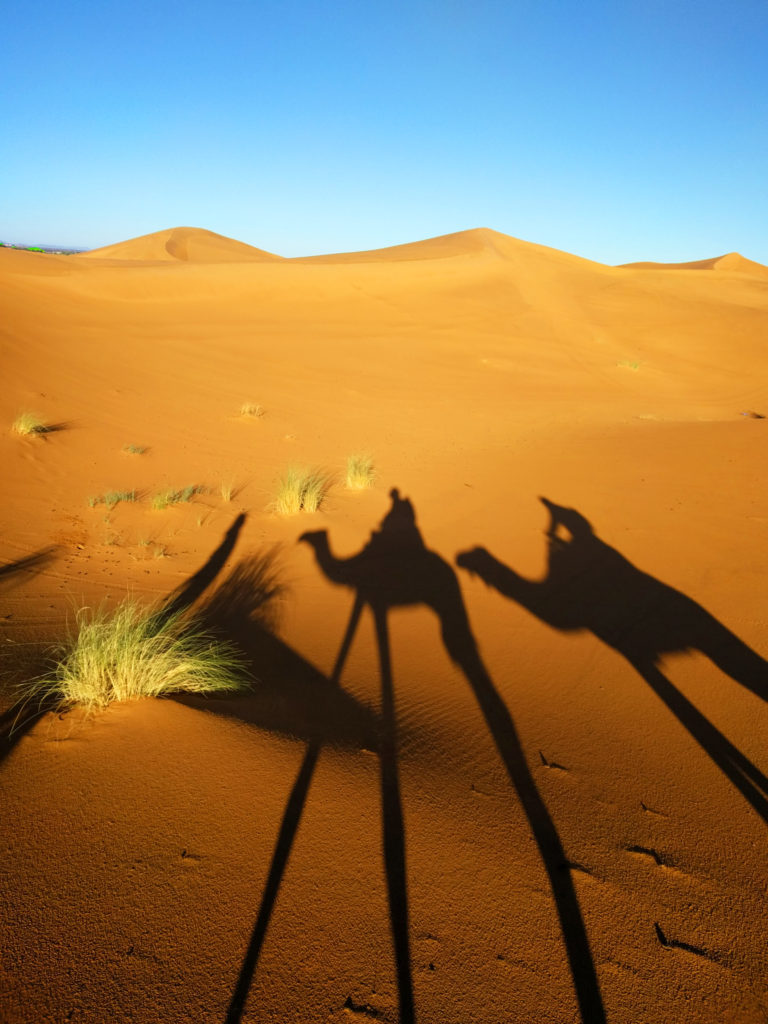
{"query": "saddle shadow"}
(591, 586)
(396, 569)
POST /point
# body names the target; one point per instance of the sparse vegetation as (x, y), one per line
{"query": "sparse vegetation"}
(134, 449)
(227, 490)
(251, 411)
(27, 423)
(137, 652)
(301, 490)
(360, 474)
(111, 498)
(170, 497)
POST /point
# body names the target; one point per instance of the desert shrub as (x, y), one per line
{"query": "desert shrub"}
(170, 497)
(134, 449)
(301, 490)
(27, 423)
(111, 498)
(248, 409)
(360, 474)
(136, 652)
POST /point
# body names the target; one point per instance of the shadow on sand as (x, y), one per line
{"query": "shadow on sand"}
(17, 720)
(590, 586)
(396, 569)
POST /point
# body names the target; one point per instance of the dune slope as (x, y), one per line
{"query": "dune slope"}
(508, 762)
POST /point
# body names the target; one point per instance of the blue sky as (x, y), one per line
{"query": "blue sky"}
(617, 130)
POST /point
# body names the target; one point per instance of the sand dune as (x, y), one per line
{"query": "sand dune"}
(532, 786)
(732, 261)
(193, 245)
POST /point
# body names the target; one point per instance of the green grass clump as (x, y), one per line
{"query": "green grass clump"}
(27, 423)
(360, 474)
(134, 449)
(136, 652)
(170, 497)
(111, 498)
(301, 490)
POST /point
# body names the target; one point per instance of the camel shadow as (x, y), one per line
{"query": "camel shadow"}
(396, 569)
(591, 586)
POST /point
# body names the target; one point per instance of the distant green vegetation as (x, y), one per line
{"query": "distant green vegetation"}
(134, 449)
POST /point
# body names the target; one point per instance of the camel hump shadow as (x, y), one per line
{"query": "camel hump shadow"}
(590, 586)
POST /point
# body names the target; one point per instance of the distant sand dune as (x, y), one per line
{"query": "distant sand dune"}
(731, 261)
(191, 245)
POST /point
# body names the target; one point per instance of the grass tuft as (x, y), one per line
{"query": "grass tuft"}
(27, 423)
(111, 498)
(251, 411)
(170, 497)
(227, 490)
(136, 652)
(134, 449)
(360, 474)
(301, 490)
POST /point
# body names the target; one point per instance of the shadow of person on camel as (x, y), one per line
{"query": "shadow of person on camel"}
(396, 569)
(591, 586)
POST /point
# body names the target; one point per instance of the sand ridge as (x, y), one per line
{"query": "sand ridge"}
(549, 803)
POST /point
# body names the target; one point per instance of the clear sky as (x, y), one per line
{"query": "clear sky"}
(615, 129)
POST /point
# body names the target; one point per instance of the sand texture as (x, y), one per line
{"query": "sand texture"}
(504, 758)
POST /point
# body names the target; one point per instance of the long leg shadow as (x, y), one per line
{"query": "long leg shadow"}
(590, 586)
(396, 569)
(291, 696)
(288, 828)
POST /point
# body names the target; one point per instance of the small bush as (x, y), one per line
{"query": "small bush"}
(251, 411)
(112, 498)
(27, 423)
(137, 652)
(360, 474)
(301, 490)
(170, 497)
(134, 449)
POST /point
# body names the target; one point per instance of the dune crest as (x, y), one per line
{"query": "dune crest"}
(188, 245)
(472, 242)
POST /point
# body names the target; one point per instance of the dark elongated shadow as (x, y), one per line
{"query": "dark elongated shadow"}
(288, 828)
(396, 569)
(590, 586)
(291, 696)
(17, 720)
(30, 564)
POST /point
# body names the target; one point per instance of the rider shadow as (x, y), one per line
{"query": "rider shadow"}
(396, 569)
(590, 586)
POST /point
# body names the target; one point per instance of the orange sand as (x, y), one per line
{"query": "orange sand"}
(575, 804)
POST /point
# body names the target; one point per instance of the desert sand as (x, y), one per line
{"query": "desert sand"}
(530, 784)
